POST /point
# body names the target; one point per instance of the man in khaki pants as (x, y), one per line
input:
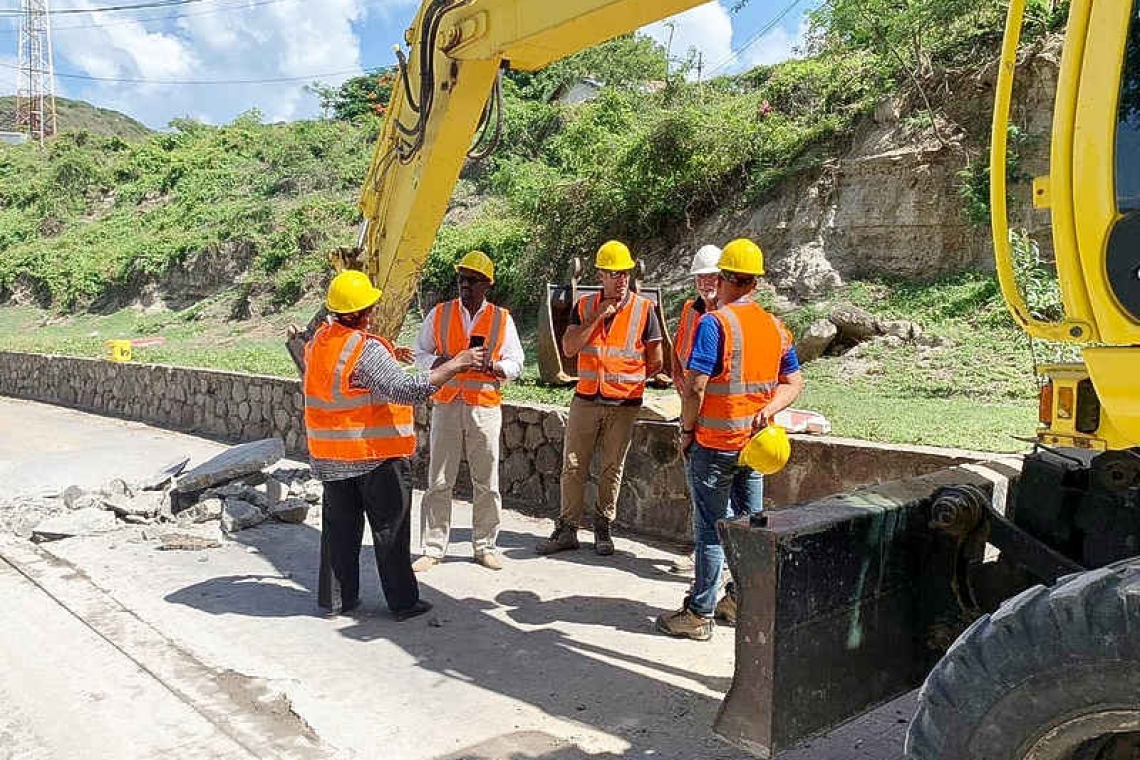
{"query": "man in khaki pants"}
(467, 411)
(617, 339)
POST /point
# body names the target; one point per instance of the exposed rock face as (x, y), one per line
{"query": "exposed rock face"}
(890, 206)
(815, 340)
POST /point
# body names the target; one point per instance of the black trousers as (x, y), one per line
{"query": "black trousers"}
(385, 496)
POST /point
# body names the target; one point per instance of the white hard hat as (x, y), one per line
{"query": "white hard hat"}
(705, 262)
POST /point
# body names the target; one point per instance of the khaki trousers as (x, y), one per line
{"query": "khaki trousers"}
(588, 426)
(456, 426)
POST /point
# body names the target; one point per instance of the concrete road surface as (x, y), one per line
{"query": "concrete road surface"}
(110, 647)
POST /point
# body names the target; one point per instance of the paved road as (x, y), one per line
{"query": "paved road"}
(220, 650)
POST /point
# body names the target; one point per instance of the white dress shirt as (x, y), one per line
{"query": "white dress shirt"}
(511, 361)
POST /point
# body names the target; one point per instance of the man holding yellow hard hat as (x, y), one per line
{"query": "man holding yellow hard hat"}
(741, 372)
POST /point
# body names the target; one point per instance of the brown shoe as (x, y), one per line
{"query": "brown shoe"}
(603, 542)
(425, 563)
(726, 610)
(489, 560)
(685, 624)
(564, 537)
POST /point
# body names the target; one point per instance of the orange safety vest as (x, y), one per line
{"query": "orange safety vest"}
(754, 345)
(686, 331)
(476, 388)
(613, 362)
(344, 423)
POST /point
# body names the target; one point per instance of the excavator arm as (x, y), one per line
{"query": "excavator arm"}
(446, 93)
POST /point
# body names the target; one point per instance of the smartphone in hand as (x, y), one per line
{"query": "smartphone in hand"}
(476, 341)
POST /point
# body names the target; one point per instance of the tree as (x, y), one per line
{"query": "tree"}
(623, 62)
(357, 97)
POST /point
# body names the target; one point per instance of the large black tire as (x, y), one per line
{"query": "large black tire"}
(1041, 678)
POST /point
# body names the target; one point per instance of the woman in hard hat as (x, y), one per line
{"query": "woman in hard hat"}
(361, 433)
(741, 372)
(467, 412)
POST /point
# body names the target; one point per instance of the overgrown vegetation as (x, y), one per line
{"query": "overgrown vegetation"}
(645, 160)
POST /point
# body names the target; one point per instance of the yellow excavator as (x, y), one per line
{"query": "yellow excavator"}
(1016, 607)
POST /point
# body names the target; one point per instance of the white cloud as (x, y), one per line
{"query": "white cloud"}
(776, 46)
(282, 39)
(706, 29)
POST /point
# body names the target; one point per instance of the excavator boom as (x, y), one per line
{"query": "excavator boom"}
(456, 50)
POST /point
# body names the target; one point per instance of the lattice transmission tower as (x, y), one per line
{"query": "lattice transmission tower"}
(35, 88)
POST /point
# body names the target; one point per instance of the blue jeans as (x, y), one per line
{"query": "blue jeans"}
(715, 479)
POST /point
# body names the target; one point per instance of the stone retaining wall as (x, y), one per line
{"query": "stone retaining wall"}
(239, 407)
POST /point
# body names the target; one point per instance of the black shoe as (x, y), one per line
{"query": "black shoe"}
(603, 542)
(415, 610)
(343, 609)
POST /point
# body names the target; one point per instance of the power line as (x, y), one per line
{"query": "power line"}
(108, 8)
(209, 82)
(242, 6)
(755, 37)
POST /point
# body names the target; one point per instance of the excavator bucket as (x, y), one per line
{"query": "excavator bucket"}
(554, 367)
(843, 604)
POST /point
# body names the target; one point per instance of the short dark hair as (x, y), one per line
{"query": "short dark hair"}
(354, 319)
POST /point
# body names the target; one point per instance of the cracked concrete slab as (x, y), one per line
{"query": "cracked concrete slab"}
(552, 658)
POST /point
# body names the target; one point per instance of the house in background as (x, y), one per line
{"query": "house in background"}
(574, 92)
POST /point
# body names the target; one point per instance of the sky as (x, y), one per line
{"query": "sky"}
(211, 43)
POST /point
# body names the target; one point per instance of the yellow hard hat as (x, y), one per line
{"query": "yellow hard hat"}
(351, 291)
(742, 256)
(768, 451)
(477, 261)
(614, 256)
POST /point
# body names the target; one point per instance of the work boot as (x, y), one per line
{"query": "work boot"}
(726, 610)
(603, 543)
(565, 536)
(685, 624)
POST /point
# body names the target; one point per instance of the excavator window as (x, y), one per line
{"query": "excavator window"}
(1128, 122)
(1124, 238)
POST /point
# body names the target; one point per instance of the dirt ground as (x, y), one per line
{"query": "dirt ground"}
(221, 652)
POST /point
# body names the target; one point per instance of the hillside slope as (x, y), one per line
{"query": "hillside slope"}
(77, 116)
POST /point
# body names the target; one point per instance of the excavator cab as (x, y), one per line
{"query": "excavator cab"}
(555, 367)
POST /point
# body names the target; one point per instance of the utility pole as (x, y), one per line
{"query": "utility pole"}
(35, 86)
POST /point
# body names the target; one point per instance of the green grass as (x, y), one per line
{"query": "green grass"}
(978, 393)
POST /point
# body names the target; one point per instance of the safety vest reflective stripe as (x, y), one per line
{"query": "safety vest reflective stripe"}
(613, 362)
(686, 331)
(344, 423)
(353, 434)
(749, 376)
(474, 387)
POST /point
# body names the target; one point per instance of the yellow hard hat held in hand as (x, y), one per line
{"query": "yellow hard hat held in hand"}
(351, 291)
(614, 256)
(477, 261)
(742, 256)
(768, 451)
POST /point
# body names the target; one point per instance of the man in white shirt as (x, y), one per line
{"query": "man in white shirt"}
(467, 410)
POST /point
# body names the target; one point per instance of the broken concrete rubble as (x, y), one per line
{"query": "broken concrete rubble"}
(239, 515)
(290, 511)
(163, 475)
(231, 464)
(81, 522)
